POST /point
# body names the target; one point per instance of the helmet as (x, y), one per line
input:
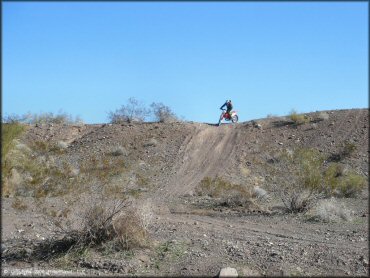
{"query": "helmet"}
(229, 100)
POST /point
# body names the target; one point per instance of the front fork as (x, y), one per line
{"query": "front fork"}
(221, 117)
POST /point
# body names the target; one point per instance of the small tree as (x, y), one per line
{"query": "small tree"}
(162, 113)
(132, 111)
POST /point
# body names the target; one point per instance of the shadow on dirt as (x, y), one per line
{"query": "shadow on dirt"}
(27, 250)
(282, 123)
(211, 124)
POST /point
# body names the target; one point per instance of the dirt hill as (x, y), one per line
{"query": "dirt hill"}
(166, 167)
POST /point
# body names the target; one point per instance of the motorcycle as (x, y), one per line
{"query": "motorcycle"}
(233, 116)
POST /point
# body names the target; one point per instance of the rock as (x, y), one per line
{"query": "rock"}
(228, 272)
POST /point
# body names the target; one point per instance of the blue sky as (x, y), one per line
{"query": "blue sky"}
(88, 58)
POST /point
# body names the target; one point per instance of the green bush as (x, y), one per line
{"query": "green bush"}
(351, 185)
(340, 184)
(308, 172)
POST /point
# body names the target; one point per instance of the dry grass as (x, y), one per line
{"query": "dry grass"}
(298, 119)
(9, 132)
(217, 187)
(231, 195)
(43, 118)
(130, 231)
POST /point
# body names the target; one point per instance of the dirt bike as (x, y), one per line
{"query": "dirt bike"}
(233, 116)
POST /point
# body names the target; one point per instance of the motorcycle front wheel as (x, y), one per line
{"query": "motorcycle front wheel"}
(235, 118)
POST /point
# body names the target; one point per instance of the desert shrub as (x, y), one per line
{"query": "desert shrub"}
(35, 172)
(329, 210)
(51, 118)
(346, 150)
(322, 116)
(259, 193)
(14, 119)
(40, 174)
(297, 178)
(298, 119)
(43, 118)
(305, 179)
(134, 110)
(351, 185)
(235, 199)
(9, 134)
(98, 225)
(230, 194)
(162, 113)
(47, 148)
(305, 166)
(342, 184)
(95, 229)
(298, 200)
(130, 230)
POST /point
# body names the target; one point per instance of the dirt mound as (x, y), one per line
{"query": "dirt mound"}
(167, 161)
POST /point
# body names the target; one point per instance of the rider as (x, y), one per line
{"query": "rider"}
(229, 106)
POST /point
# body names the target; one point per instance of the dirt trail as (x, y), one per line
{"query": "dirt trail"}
(204, 153)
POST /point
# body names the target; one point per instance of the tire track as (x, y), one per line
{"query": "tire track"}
(204, 155)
